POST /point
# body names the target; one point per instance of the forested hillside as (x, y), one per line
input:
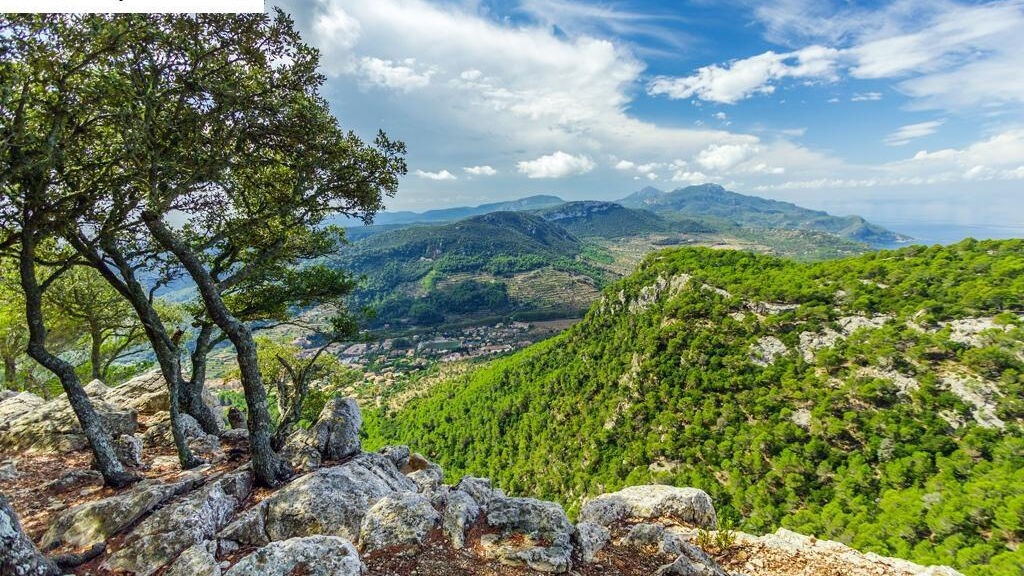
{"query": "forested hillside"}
(713, 202)
(875, 400)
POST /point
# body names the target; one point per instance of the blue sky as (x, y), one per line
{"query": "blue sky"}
(889, 109)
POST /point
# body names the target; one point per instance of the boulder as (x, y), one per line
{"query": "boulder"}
(428, 480)
(331, 501)
(528, 531)
(160, 433)
(74, 479)
(8, 471)
(337, 429)
(656, 535)
(13, 407)
(335, 436)
(309, 556)
(198, 560)
(460, 512)
(128, 450)
(146, 394)
(689, 506)
(592, 538)
(92, 523)
(236, 419)
(164, 535)
(52, 426)
(397, 454)
(480, 489)
(399, 521)
(692, 561)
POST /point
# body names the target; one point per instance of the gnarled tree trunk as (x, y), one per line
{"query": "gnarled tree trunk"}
(99, 438)
(191, 399)
(268, 468)
(18, 555)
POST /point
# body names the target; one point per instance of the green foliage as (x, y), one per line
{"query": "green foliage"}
(665, 391)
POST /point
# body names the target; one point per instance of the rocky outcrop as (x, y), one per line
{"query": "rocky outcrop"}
(94, 522)
(688, 506)
(335, 436)
(531, 532)
(393, 508)
(164, 535)
(310, 556)
(395, 522)
(331, 501)
(52, 426)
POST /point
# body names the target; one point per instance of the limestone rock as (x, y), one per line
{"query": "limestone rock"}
(18, 556)
(427, 480)
(310, 556)
(592, 538)
(692, 561)
(94, 522)
(531, 532)
(480, 489)
(689, 506)
(8, 471)
(74, 479)
(402, 520)
(164, 535)
(199, 560)
(160, 433)
(128, 450)
(13, 407)
(397, 454)
(330, 501)
(337, 429)
(52, 426)
(460, 512)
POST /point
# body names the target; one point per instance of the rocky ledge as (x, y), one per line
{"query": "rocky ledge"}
(390, 513)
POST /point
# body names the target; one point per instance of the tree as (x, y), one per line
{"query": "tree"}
(219, 123)
(111, 326)
(40, 122)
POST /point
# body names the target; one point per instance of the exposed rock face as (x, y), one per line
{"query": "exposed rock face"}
(792, 553)
(531, 532)
(164, 535)
(766, 350)
(160, 433)
(312, 556)
(652, 502)
(403, 520)
(330, 501)
(52, 426)
(128, 450)
(8, 471)
(480, 489)
(94, 522)
(460, 512)
(692, 561)
(592, 539)
(199, 560)
(335, 436)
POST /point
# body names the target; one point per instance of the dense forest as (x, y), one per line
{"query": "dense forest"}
(875, 400)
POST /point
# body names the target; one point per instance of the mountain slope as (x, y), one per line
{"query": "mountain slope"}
(875, 400)
(458, 213)
(610, 220)
(423, 272)
(714, 202)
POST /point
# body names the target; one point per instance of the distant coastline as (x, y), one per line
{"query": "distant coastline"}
(948, 232)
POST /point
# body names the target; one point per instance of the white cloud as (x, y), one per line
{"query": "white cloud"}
(399, 75)
(866, 97)
(442, 175)
(741, 79)
(720, 115)
(557, 165)
(943, 54)
(721, 157)
(480, 170)
(905, 134)
(689, 177)
(625, 165)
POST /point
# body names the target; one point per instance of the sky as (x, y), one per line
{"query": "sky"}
(899, 111)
